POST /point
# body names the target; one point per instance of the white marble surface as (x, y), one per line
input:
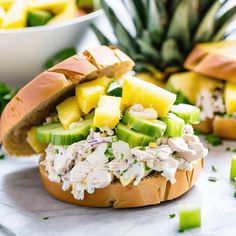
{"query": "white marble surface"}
(24, 203)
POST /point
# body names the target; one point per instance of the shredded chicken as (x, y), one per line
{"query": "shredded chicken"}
(147, 113)
(210, 103)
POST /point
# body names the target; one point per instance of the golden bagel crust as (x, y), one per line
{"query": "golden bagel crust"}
(152, 190)
(213, 63)
(38, 99)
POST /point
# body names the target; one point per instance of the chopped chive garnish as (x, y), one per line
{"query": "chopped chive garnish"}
(172, 216)
(234, 194)
(234, 150)
(214, 140)
(227, 149)
(45, 218)
(213, 168)
(212, 179)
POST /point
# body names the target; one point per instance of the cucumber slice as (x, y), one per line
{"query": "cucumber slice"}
(153, 128)
(175, 125)
(115, 89)
(189, 218)
(44, 132)
(38, 17)
(190, 114)
(70, 136)
(131, 137)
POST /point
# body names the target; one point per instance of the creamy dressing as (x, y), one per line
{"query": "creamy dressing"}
(94, 163)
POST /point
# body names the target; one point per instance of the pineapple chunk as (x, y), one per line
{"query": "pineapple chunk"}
(191, 84)
(136, 91)
(108, 113)
(88, 93)
(33, 142)
(16, 16)
(70, 12)
(55, 6)
(230, 97)
(2, 15)
(68, 112)
(6, 4)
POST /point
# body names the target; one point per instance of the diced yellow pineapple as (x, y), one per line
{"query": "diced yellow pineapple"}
(55, 6)
(16, 16)
(32, 141)
(68, 112)
(2, 15)
(70, 12)
(6, 4)
(191, 84)
(108, 113)
(230, 97)
(88, 93)
(136, 91)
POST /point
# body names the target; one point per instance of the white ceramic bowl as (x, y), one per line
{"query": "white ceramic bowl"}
(23, 52)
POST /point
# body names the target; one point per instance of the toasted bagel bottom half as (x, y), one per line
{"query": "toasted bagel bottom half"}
(152, 190)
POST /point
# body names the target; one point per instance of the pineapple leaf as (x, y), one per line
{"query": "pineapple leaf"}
(179, 26)
(223, 22)
(148, 50)
(193, 15)
(124, 38)
(207, 27)
(170, 53)
(138, 14)
(100, 36)
(156, 21)
(205, 5)
(171, 6)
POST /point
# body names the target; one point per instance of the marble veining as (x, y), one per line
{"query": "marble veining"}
(27, 209)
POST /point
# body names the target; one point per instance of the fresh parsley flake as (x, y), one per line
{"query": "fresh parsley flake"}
(142, 148)
(197, 131)
(213, 168)
(227, 149)
(235, 194)
(212, 179)
(147, 168)
(2, 155)
(45, 218)
(234, 150)
(172, 216)
(214, 140)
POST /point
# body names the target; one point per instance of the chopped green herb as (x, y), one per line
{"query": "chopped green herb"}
(212, 179)
(214, 140)
(172, 216)
(45, 218)
(234, 150)
(115, 139)
(227, 149)
(213, 168)
(109, 153)
(181, 231)
(197, 131)
(234, 194)
(56, 151)
(135, 161)
(142, 148)
(147, 168)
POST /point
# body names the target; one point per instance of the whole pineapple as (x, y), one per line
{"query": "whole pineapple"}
(167, 30)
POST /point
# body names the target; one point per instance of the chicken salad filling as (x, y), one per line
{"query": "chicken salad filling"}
(100, 159)
(211, 103)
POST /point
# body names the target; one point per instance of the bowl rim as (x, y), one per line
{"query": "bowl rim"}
(77, 20)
